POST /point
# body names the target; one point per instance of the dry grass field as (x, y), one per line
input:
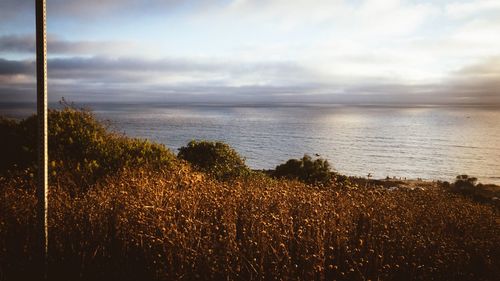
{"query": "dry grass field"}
(143, 224)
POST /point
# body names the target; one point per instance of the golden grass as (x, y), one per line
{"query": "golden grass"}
(181, 225)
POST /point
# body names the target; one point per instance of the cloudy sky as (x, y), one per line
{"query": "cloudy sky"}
(385, 51)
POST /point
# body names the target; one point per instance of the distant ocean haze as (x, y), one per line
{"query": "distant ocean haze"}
(409, 142)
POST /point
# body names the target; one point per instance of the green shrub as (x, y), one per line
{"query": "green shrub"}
(215, 158)
(306, 170)
(80, 147)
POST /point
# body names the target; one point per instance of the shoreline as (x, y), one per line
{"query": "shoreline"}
(484, 193)
(481, 192)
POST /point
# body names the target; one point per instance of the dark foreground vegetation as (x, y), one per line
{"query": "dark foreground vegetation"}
(126, 209)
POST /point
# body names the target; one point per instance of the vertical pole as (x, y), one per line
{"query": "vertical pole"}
(41, 89)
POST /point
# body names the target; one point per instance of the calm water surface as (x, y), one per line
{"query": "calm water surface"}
(421, 142)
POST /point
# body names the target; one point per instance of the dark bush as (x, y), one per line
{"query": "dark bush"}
(215, 158)
(465, 184)
(16, 145)
(308, 170)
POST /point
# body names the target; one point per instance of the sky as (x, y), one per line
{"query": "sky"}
(257, 51)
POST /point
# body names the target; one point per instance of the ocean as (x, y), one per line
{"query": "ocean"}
(431, 143)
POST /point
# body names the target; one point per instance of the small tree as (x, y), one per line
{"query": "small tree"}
(215, 158)
(465, 184)
(306, 170)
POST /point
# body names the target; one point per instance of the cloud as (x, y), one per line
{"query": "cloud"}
(87, 8)
(462, 10)
(352, 18)
(174, 71)
(480, 81)
(25, 44)
(17, 43)
(152, 76)
(100, 7)
(13, 8)
(10, 67)
(177, 80)
(489, 67)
